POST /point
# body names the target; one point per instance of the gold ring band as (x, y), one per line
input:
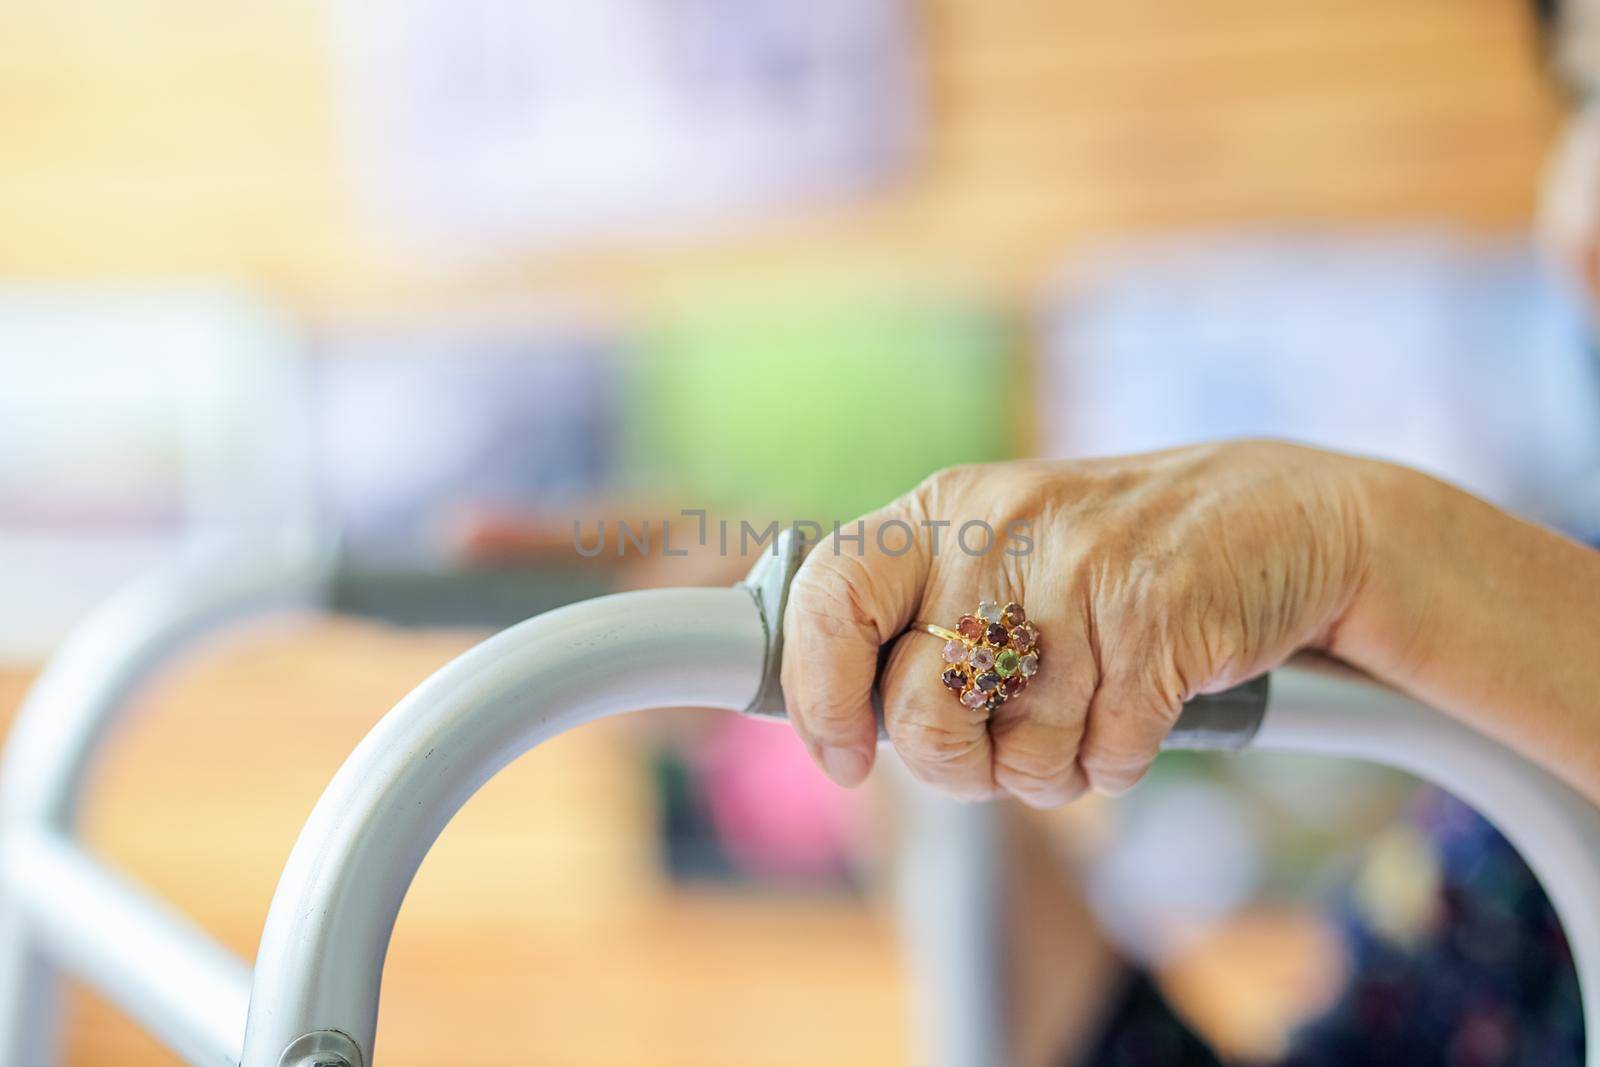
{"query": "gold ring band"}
(990, 655)
(936, 631)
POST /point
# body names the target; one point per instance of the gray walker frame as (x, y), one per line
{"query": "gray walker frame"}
(312, 998)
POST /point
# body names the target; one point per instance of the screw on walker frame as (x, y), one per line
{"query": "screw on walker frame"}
(322, 1048)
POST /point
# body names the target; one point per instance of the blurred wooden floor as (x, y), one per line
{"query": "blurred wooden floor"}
(538, 930)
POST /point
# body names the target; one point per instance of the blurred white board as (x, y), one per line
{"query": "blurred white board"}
(1463, 357)
(134, 421)
(481, 124)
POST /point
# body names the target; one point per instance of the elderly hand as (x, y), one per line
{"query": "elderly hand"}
(1149, 579)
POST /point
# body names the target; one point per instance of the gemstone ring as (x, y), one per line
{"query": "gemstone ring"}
(989, 656)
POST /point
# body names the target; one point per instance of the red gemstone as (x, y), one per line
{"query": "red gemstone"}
(1013, 685)
(997, 634)
(954, 679)
(1024, 636)
(970, 627)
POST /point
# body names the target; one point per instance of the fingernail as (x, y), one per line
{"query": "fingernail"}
(846, 766)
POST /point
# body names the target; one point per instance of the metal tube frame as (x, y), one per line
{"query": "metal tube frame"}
(51, 891)
(313, 997)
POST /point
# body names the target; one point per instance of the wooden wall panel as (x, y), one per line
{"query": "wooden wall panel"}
(174, 136)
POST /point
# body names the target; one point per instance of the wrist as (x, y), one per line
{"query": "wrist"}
(1399, 573)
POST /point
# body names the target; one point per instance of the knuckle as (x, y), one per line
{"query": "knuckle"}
(941, 485)
(1041, 775)
(829, 719)
(1113, 781)
(828, 597)
(1038, 751)
(1115, 765)
(1125, 749)
(1117, 748)
(971, 782)
(1048, 789)
(934, 743)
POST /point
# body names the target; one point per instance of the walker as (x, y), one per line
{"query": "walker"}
(312, 999)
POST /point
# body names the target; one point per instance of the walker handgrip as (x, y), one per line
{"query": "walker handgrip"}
(1221, 722)
(1225, 721)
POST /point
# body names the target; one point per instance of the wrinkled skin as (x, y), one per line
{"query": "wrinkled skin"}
(1150, 579)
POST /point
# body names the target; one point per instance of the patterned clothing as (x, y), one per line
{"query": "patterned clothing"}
(1492, 984)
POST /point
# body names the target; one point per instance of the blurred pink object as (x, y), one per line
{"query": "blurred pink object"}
(777, 815)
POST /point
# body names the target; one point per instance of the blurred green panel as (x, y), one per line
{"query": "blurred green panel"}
(822, 399)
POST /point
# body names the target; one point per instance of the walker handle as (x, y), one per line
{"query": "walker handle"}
(1225, 721)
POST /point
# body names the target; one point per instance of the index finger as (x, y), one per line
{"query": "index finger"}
(849, 597)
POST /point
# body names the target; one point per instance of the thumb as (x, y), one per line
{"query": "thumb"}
(858, 589)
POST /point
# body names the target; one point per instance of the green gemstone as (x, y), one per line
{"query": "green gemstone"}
(1005, 664)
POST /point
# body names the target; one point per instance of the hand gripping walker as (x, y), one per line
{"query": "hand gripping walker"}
(312, 999)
